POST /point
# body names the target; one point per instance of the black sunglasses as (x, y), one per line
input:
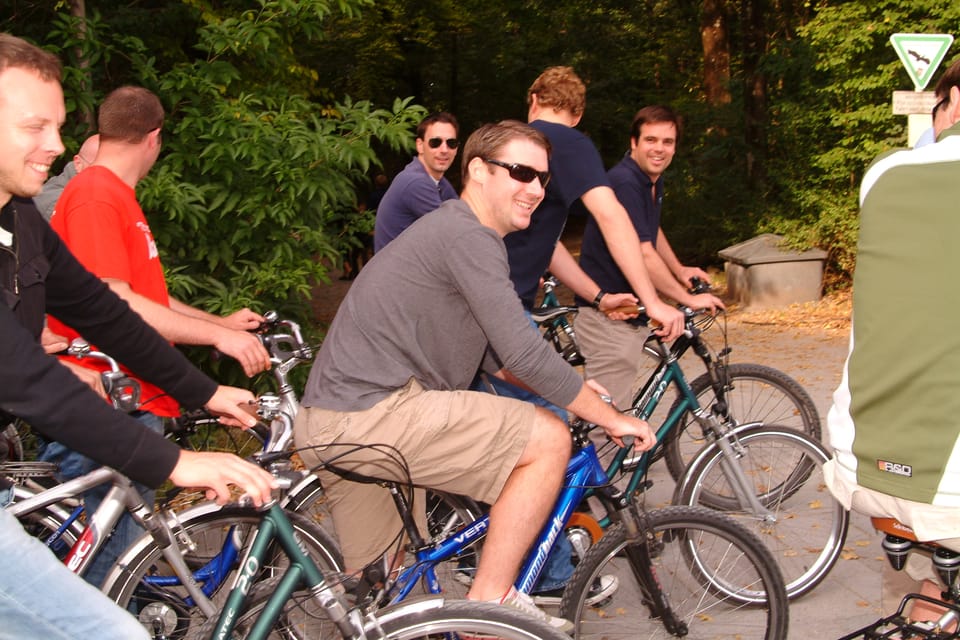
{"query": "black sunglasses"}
(522, 173)
(435, 143)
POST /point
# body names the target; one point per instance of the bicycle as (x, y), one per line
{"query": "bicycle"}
(697, 572)
(899, 541)
(747, 465)
(212, 535)
(287, 538)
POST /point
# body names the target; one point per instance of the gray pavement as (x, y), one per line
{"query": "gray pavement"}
(850, 596)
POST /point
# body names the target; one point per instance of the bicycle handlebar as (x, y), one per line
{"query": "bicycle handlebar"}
(123, 391)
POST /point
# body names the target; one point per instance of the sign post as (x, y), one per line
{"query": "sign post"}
(921, 55)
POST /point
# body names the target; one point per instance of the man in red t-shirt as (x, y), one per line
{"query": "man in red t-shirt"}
(99, 219)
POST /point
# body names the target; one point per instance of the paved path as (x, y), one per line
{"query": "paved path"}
(849, 597)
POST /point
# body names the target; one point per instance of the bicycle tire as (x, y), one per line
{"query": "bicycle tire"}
(166, 609)
(302, 618)
(754, 393)
(786, 467)
(702, 561)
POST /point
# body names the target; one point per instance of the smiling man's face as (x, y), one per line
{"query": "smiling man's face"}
(31, 113)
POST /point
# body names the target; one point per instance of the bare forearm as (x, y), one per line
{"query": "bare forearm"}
(622, 241)
(662, 276)
(667, 254)
(193, 312)
(173, 325)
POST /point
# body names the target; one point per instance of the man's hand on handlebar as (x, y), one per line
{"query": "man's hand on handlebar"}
(671, 320)
(706, 302)
(243, 320)
(618, 306)
(229, 403)
(215, 472)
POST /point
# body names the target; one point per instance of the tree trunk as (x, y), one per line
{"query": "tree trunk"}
(716, 52)
(78, 9)
(755, 94)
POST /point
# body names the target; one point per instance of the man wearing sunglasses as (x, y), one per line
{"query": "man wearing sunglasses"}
(403, 349)
(420, 187)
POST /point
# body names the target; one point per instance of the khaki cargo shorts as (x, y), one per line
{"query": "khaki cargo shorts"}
(462, 442)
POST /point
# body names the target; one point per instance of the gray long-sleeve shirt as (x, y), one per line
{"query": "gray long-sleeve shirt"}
(431, 306)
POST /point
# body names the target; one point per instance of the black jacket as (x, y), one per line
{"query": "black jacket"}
(39, 275)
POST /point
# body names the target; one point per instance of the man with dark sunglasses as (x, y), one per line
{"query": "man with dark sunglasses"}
(420, 187)
(395, 368)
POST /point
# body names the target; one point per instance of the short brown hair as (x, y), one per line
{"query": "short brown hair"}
(560, 88)
(655, 113)
(129, 114)
(16, 52)
(442, 116)
(949, 79)
(488, 140)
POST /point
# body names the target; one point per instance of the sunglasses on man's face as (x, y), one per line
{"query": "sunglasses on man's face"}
(522, 173)
(452, 143)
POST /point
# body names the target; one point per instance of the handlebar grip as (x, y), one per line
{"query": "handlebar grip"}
(627, 308)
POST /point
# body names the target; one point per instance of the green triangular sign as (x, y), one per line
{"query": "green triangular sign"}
(921, 54)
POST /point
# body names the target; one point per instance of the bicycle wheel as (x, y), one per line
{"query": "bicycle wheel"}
(754, 393)
(710, 569)
(466, 619)
(804, 527)
(302, 618)
(147, 586)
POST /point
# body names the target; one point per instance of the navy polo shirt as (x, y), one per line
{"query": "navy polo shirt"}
(633, 189)
(575, 167)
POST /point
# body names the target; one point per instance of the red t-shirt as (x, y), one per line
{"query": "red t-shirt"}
(99, 219)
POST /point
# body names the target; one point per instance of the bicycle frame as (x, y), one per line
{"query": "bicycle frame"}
(352, 623)
(122, 496)
(584, 473)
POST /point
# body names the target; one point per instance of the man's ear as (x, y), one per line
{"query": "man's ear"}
(953, 106)
(477, 170)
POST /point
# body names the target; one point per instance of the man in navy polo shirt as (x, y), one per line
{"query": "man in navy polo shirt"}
(420, 187)
(613, 348)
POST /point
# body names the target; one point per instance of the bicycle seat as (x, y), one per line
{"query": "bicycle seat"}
(900, 539)
(545, 314)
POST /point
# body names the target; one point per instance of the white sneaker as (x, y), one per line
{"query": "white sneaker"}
(602, 588)
(524, 602)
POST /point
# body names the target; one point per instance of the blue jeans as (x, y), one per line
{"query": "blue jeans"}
(558, 567)
(41, 598)
(127, 531)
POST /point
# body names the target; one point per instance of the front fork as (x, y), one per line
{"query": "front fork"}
(642, 547)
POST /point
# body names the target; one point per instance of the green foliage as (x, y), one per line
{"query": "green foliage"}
(837, 118)
(264, 153)
(253, 198)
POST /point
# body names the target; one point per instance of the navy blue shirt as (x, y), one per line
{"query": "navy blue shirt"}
(634, 191)
(412, 194)
(575, 167)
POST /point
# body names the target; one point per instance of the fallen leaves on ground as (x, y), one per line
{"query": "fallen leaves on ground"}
(830, 315)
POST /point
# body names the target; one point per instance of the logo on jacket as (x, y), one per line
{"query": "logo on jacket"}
(895, 467)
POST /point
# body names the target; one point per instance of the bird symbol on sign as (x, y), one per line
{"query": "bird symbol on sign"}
(919, 57)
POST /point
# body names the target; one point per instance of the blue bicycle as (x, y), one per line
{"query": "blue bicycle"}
(680, 571)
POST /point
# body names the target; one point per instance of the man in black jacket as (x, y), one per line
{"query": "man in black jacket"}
(39, 597)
